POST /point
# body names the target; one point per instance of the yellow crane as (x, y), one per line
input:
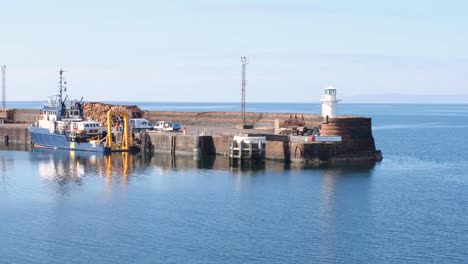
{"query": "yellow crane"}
(126, 137)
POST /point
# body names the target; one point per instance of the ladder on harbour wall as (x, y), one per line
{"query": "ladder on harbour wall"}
(246, 151)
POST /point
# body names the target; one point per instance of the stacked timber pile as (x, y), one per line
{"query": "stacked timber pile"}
(6, 113)
(98, 111)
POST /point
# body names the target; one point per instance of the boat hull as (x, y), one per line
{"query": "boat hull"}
(42, 138)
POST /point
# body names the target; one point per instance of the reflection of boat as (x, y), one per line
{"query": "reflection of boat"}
(62, 125)
(70, 165)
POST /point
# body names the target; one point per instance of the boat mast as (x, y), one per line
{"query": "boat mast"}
(61, 87)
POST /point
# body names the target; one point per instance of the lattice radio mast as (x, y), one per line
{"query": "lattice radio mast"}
(244, 61)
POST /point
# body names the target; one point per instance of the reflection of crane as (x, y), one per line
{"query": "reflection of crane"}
(124, 170)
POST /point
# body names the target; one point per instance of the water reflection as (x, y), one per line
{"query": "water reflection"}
(168, 161)
(6, 162)
(71, 166)
(64, 169)
(16, 146)
(125, 164)
(333, 176)
(337, 196)
(68, 169)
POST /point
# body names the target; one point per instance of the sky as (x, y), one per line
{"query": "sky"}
(189, 51)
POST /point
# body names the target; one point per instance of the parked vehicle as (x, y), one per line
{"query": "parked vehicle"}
(89, 128)
(167, 126)
(140, 124)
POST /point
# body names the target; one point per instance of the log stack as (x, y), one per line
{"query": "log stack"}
(6, 114)
(98, 111)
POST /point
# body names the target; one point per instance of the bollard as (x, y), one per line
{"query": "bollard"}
(7, 139)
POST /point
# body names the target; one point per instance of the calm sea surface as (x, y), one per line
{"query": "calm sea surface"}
(62, 207)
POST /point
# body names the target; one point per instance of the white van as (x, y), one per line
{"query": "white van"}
(89, 128)
(140, 124)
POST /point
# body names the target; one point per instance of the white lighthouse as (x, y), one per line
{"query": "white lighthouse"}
(329, 102)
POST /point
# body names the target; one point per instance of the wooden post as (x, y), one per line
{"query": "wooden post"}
(260, 149)
(241, 148)
(173, 144)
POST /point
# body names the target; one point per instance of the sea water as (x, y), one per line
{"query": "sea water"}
(75, 207)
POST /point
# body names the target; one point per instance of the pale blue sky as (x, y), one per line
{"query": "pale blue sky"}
(190, 50)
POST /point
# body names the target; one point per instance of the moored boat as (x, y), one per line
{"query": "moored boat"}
(62, 125)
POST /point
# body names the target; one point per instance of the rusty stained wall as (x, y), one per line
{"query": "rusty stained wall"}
(15, 133)
(348, 128)
(356, 133)
(312, 152)
(221, 144)
(278, 150)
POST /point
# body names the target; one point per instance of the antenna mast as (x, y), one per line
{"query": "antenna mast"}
(3, 87)
(244, 61)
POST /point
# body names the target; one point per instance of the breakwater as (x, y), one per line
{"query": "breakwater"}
(356, 132)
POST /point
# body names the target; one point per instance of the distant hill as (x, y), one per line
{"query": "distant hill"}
(407, 98)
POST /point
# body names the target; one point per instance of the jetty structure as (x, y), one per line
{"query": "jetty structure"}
(247, 148)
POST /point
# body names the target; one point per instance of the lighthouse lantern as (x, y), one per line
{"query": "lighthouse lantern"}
(329, 102)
